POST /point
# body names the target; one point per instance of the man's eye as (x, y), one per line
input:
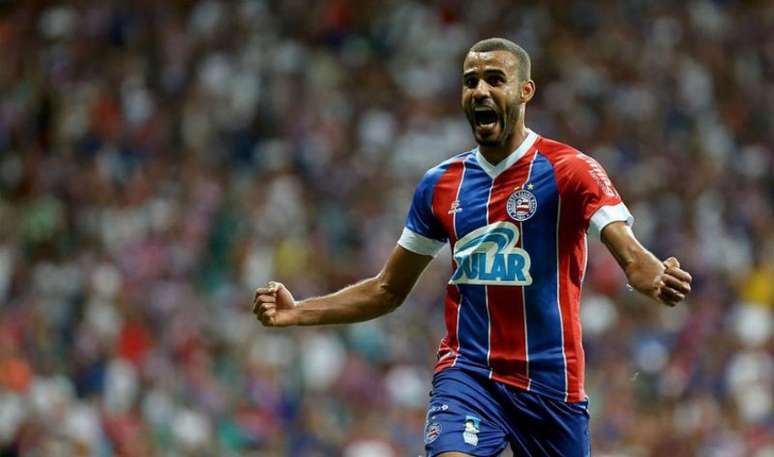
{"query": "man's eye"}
(494, 80)
(471, 83)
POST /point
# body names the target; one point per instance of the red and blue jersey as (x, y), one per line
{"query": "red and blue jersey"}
(517, 232)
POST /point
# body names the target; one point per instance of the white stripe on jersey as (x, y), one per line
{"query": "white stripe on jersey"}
(523, 296)
(559, 297)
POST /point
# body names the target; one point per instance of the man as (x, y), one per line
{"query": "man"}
(515, 211)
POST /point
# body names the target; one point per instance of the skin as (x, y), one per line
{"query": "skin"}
(490, 79)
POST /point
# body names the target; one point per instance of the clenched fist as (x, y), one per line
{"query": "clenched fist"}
(273, 305)
(674, 284)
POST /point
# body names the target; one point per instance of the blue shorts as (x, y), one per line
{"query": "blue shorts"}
(475, 415)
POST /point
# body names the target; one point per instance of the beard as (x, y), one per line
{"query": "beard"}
(497, 134)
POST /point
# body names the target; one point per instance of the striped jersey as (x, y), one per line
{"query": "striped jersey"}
(517, 232)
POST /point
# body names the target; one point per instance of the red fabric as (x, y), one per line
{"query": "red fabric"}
(508, 338)
(444, 195)
(583, 188)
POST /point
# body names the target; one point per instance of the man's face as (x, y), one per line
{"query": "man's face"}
(491, 95)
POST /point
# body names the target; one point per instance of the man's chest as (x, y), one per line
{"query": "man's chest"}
(522, 197)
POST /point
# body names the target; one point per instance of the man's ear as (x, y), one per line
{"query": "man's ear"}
(527, 90)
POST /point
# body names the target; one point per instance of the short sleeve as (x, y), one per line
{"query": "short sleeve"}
(423, 233)
(600, 202)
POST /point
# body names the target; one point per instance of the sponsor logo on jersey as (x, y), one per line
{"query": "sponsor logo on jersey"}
(488, 255)
(521, 205)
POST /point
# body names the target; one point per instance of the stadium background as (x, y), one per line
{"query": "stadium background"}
(161, 159)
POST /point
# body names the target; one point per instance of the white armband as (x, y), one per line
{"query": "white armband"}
(608, 214)
(419, 244)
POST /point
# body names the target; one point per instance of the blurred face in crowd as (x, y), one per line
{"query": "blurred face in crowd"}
(493, 96)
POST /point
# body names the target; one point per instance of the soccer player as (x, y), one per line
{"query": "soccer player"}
(516, 211)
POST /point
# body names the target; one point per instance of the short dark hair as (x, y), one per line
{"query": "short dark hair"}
(503, 44)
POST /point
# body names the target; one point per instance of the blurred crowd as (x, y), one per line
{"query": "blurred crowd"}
(159, 160)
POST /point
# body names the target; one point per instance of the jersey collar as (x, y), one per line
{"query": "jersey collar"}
(494, 170)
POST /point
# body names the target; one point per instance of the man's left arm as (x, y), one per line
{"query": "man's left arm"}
(662, 281)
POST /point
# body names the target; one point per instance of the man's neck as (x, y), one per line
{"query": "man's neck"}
(496, 154)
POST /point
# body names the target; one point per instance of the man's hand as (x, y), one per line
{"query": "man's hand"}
(273, 305)
(673, 284)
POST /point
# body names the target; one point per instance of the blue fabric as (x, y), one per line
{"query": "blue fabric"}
(473, 324)
(544, 325)
(472, 414)
(420, 217)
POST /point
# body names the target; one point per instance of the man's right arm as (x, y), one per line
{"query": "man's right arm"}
(274, 305)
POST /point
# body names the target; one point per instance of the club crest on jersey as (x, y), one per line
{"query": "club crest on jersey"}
(521, 205)
(488, 255)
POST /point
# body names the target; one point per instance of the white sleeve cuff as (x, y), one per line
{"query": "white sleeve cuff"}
(608, 214)
(419, 244)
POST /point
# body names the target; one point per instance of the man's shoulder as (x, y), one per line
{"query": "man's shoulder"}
(556, 150)
(564, 156)
(442, 167)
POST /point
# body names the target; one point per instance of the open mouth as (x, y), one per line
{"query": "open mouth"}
(485, 116)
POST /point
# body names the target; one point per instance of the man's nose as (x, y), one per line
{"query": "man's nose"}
(481, 91)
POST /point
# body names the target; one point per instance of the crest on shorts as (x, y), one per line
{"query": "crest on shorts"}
(432, 432)
(521, 205)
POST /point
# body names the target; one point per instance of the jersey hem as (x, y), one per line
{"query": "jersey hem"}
(518, 381)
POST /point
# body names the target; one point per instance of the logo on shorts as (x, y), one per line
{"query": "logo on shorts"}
(521, 205)
(472, 427)
(432, 432)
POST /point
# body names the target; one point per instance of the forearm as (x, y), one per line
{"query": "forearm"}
(643, 269)
(275, 306)
(359, 302)
(663, 281)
